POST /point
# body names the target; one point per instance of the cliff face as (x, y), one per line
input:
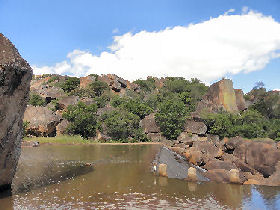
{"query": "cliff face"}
(15, 77)
(222, 96)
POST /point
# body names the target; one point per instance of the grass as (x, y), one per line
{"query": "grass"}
(65, 139)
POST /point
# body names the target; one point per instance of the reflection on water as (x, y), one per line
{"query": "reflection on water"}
(121, 179)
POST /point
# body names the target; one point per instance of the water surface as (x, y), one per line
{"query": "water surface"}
(60, 177)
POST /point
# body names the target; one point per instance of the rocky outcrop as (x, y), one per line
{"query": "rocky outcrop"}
(15, 77)
(222, 96)
(114, 82)
(41, 121)
(86, 81)
(258, 161)
(195, 127)
(61, 128)
(67, 100)
(151, 128)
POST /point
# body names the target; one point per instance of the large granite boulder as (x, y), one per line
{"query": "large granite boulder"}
(68, 100)
(149, 124)
(114, 82)
(260, 155)
(15, 77)
(86, 81)
(195, 127)
(61, 128)
(41, 121)
(222, 96)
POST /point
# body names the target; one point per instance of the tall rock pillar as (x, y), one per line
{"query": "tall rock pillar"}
(15, 77)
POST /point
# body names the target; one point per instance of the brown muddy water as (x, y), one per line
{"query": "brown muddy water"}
(59, 177)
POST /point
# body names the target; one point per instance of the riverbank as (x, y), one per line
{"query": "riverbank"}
(75, 140)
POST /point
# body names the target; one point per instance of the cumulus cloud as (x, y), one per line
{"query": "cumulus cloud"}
(225, 45)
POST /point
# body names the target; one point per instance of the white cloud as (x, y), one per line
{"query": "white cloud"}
(228, 44)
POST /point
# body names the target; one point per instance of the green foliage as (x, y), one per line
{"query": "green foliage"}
(120, 124)
(250, 124)
(134, 106)
(82, 118)
(146, 85)
(70, 84)
(274, 129)
(24, 128)
(54, 105)
(53, 78)
(101, 101)
(36, 100)
(98, 87)
(171, 117)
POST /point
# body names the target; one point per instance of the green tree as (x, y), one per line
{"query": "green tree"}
(98, 87)
(82, 118)
(70, 84)
(120, 124)
(171, 117)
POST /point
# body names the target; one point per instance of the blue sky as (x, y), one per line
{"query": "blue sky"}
(46, 31)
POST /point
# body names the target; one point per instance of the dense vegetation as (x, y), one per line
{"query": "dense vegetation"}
(261, 120)
(171, 99)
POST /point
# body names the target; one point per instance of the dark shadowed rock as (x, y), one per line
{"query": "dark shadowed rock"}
(15, 77)
(42, 121)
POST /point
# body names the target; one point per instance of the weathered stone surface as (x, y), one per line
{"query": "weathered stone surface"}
(61, 128)
(68, 100)
(156, 137)
(260, 155)
(219, 164)
(240, 101)
(15, 77)
(195, 127)
(86, 81)
(114, 82)
(149, 124)
(221, 96)
(42, 121)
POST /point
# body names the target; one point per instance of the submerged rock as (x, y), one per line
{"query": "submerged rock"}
(15, 77)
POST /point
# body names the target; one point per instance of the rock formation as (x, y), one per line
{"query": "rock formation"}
(222, 96)
(41, 121)
(15, 77)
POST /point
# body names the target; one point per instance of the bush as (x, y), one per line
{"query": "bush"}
(120, 124)
(98, 87)
(36, 100)
(171, 117)
(82, 118)
(70, 84)
(250, 124)
(24, 128)
(146, 85)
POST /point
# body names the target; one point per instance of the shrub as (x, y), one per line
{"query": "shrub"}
(36, 100)
(24, 128)
(171, 117)
(82, 118)
(98, 87)
(70, 84)
(120, 124)
(146, 85)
